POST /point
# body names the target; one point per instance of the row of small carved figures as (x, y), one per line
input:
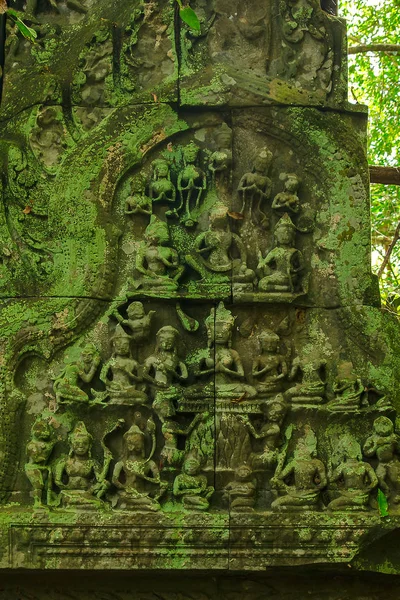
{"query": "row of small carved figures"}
(254, 187)
(298, 481)
(220, 374)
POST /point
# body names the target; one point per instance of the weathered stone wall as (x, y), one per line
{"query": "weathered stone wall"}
(195, 369)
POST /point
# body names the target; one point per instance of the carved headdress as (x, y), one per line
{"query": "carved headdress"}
(219, 318)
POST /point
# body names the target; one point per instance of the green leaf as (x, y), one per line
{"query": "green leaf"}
(189, 17)
(29, 33)
(382, 504)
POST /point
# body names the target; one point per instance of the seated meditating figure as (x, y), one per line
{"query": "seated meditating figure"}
(288, 200)
(191, 487)
(355, 478)
(269, 433)
(219, 255)
(241, 492)
(191, 184)
(270, 367)
(156, 260)
(279, 271)
(121, 373)
(81, 479)
(136, 476)
(164, 369)
(223, 367)
(349, 391)
(67, 385)
(303, 478)
(311, 387)
(137, 202)
(161, 188)
(384, 444)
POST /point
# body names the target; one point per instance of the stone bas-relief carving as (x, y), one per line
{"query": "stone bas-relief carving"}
(195, 373)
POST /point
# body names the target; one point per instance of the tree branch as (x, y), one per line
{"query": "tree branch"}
(373, 48)
(385, 175)
(389, 250)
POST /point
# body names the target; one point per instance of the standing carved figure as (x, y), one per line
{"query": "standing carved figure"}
(288, 200)
(161, 188)
(37, 468)
(221, 160)
(137, 202)
(255, 188)
(191, 184)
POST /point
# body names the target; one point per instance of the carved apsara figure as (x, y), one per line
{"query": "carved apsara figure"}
(303, 478)
(80, 478)
(279, 271)
(164, 369)
(241, 492)
(156, 260)
(137, 202)
(384, 444)
(255, 188)
(288, 200)
(161, 188)
(136, 476)
(121, 373)
(37, 468)
(220, 162)
(67, 385)
(138, 322)
(191, 487)
(215, 252)
(355, 478)
(191, 184)
(270, 367)
(311, 387)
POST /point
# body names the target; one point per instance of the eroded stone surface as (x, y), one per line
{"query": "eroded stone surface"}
(195, 372)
